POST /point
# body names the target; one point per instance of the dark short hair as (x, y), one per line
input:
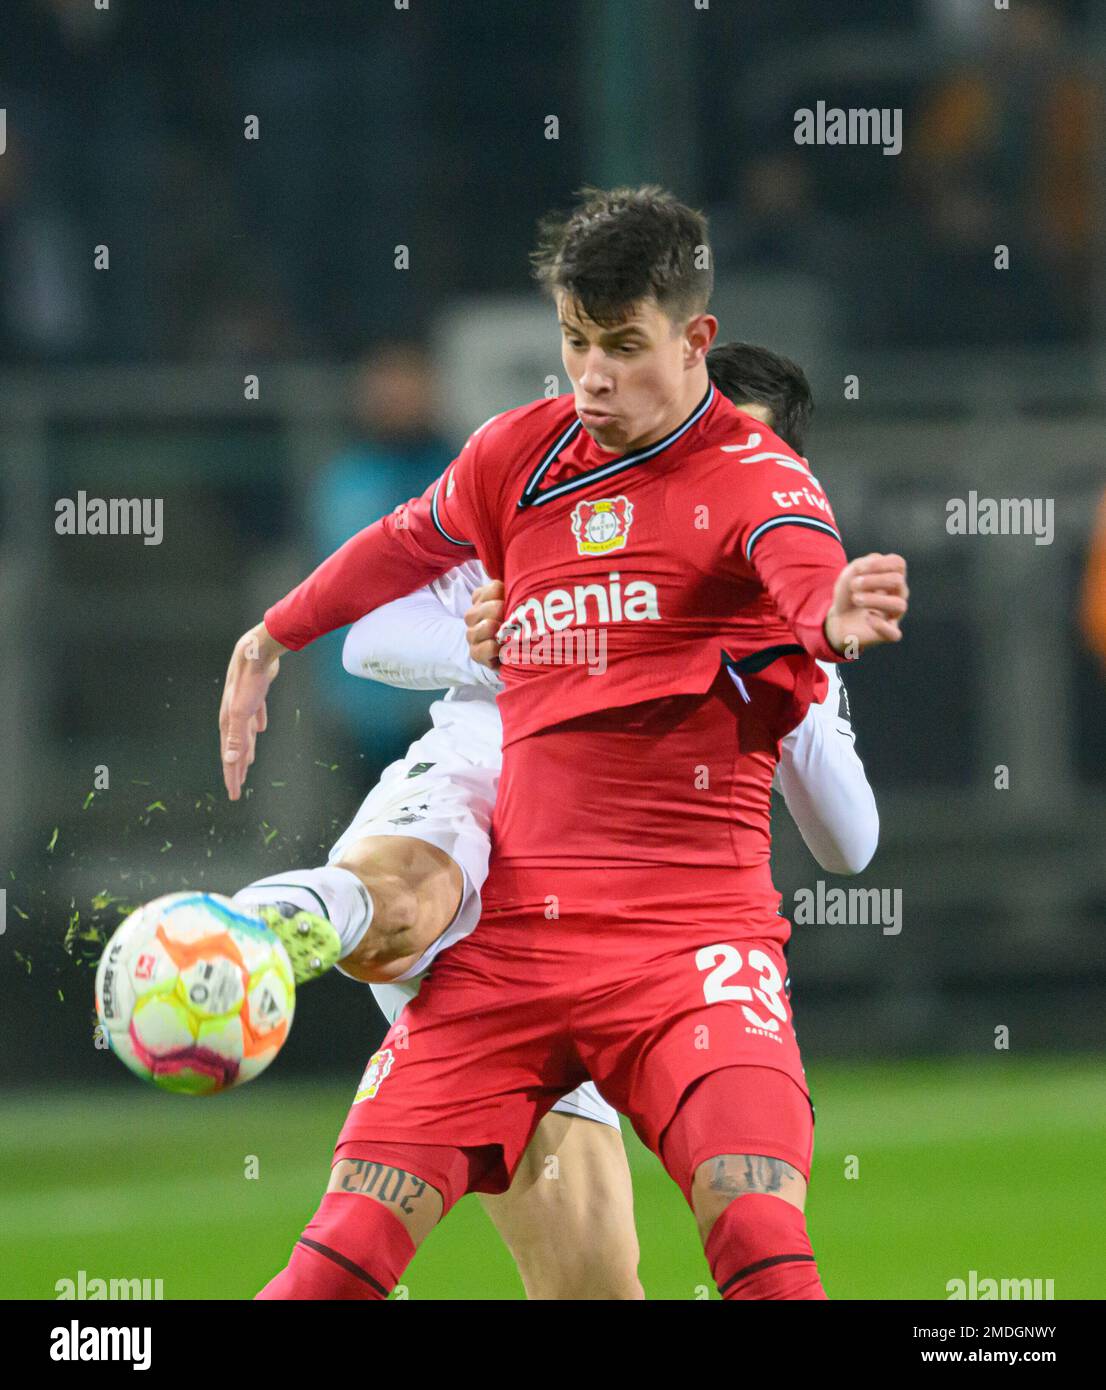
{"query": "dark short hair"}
(745, 372)
(620, 246)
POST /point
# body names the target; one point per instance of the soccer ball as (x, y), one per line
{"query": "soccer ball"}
(194, 995)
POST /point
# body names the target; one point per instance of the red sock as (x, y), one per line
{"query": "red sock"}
(759, 1248)
(353, 1247)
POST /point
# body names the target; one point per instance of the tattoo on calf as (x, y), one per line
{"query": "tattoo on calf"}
(392, 1186)
(756, 1174)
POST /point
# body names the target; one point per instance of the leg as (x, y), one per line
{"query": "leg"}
(415, 889)
(749, 1205)
(415, 1204)
(387, 897)
(721, 1098)
(419, 844)
(447, 1104)
(408, 869)
(375, 1214)
(726, 1176)
(568, 1216)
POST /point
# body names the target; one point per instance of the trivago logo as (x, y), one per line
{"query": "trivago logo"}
(584, 604)
(798, 496)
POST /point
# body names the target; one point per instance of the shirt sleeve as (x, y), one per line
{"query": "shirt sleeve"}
(824, 785)
(420, 540)
(787, 534)
(416, 643)
(800, 576)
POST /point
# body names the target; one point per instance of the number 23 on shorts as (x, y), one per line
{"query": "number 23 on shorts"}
(724, 962)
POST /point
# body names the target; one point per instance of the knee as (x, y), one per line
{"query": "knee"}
(758, 1248)
(721, 1180)
(575, 1270)
(390, 933)
(571, 1239)
(415, 890)
(395, 899)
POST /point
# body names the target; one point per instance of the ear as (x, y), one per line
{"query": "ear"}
(699, 332)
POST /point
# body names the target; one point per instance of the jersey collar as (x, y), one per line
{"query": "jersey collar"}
(533, 496)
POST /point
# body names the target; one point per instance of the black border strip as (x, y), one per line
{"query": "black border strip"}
(761, 1264)
(348, 1265)
(434, 518)
(815, 523)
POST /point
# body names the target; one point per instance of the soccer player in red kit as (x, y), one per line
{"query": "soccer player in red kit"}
(631, 931)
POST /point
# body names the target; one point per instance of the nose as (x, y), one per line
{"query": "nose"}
(593, 380)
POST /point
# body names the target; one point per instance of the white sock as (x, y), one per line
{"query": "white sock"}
(331, 892)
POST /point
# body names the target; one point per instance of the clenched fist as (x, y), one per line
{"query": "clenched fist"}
(483, 622)
(869, 602)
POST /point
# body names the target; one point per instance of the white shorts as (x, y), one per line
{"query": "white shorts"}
(442, 791)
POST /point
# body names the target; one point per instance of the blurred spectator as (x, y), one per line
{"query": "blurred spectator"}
(1002, 153)
(82, 86)
(373, 135)
(338, 178)
(774, 224)
(1093, 612)
(395, 452)
(45, 243)
(44, 271)
(957, 21)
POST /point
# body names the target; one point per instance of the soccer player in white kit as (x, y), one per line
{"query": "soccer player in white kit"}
(568, 1225)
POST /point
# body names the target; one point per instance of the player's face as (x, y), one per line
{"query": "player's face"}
(638, 380)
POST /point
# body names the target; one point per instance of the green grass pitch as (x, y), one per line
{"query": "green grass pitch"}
(985, 1163)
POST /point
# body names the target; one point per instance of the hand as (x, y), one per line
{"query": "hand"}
(869, 601)
(242, 714)
(483, 621)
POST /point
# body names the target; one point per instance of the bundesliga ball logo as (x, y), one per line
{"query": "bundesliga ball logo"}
(602, 526)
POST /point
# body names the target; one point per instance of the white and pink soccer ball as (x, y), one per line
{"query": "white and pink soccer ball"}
(195, 995)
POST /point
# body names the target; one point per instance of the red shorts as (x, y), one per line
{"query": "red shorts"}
(642, 986)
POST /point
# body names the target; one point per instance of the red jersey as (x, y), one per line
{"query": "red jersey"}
(716, 541)
(687, 569)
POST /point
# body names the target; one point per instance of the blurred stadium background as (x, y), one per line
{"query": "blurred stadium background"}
(429, 129)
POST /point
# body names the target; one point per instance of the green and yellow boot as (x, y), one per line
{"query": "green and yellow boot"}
(312, 944)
